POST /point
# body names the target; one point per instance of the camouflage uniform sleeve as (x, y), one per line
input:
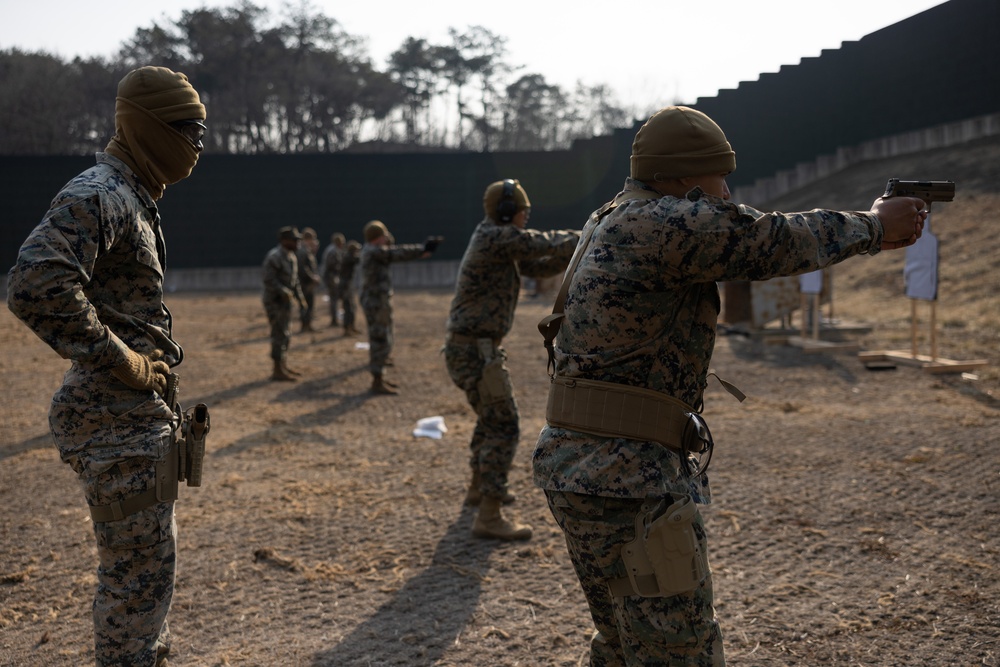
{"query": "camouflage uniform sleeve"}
(403, 252)
(330, 264)
(558, 250)
(715, 240)
(308, 268)
(523, 245)
(45, 285)
(272, 276)
(293, 283)
(347, 267)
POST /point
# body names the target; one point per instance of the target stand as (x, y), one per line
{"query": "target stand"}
(930, 364)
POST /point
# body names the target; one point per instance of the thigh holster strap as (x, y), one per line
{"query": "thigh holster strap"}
(164, 490)
(120, 509)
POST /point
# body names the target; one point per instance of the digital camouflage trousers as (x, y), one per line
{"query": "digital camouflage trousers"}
(676, 631)
(279, 317)
(112, 436)
(378, 314)
(495, 437)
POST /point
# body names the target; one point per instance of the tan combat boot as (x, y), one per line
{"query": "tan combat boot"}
(491, 523)
(280, 375)
(380, 387)
(473, 496)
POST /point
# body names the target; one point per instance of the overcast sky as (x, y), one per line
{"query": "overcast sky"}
(651, 54)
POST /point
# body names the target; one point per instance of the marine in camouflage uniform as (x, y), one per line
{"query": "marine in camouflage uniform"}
(641, 310)
(89, 282)
(499, 253)
(308, 276)
(377, 256)
(348, 292)
(330, 271)
(280, 274)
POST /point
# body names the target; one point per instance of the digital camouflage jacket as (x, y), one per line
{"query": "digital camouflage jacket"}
(489, 277)
(376, 268)
(280, 275)
(642, 310)
(89, 279)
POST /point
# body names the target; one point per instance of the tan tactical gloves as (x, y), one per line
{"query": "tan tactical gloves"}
(141, 371)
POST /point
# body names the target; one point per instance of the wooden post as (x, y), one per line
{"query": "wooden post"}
(802, 311)
(815, 310)
(934, 354)
(828, 281)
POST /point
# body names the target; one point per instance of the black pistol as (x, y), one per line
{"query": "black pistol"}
(929, 191)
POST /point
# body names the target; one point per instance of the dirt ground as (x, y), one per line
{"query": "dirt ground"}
(854, 523)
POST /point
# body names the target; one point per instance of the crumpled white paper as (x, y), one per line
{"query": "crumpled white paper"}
(430, 427)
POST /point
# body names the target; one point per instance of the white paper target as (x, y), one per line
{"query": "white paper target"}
(920, 272)
(811, 283)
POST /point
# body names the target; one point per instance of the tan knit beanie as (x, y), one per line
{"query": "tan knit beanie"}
(677, 142)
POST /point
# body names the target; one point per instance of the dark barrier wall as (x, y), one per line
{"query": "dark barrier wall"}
(228, 211)
(939, 66)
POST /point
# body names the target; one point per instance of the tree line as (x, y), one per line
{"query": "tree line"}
(301, 84)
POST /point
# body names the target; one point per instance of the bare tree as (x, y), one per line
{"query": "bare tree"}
(483, 54)
(596, 111)
(40, 109)
(533, 113)
(417, 67)
(300, 83)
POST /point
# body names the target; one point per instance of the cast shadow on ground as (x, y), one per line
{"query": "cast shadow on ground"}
(785, 356)
(322, 387)
(319, 336)
(347, 403)
(8, 450)
(423, 618)
(960, 386)
(247, 340)
(296, 392)
(222, 396)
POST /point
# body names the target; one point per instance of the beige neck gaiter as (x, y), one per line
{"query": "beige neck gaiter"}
(157, 153)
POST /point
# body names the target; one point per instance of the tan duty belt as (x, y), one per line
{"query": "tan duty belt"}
(617, 410)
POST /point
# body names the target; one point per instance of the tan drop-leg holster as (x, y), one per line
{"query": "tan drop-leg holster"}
(183, 461)
(665, 558)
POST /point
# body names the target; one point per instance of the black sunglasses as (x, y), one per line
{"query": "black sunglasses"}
(193, 131)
